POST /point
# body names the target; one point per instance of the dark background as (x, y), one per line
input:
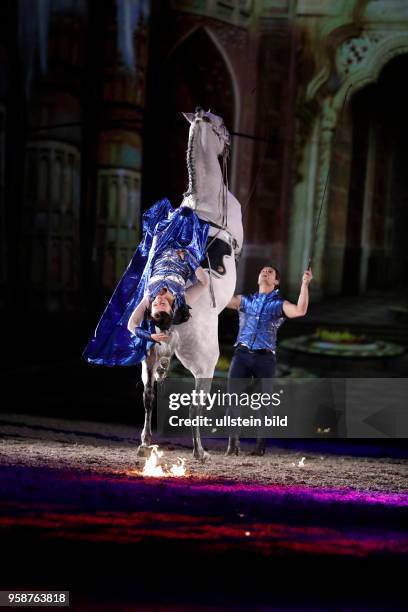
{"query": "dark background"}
(90, 138)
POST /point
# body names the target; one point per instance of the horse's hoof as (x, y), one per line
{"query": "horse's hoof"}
(202, 456)
(143, 450)
(232, 450)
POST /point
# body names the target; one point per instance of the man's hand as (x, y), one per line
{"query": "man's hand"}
(299, 309)
(161, 337)
(235, 302)
(307, 277)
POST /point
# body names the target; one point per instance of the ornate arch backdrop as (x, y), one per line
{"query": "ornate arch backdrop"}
(350, 63)
(195, 73)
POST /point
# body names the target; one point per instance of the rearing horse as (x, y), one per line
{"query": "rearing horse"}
(195, 342)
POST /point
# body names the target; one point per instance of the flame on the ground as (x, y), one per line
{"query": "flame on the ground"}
(301, 463)
(178, 469)
(153, 467)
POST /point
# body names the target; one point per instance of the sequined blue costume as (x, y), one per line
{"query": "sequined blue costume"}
(155, 264)
(260, 316)
(171, 271)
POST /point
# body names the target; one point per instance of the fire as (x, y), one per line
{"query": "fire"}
(154, 468)
(151, 467)
(301, 463)
(178, 469)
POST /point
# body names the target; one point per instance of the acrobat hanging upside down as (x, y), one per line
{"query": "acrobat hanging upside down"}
(152, 291)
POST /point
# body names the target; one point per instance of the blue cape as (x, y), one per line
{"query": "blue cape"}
(163, 227)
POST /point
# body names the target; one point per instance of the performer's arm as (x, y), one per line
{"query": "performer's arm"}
(235, 302)
(299, 309)
(137, 315)
(193, 293)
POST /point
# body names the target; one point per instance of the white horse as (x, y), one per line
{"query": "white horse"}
(195, 342)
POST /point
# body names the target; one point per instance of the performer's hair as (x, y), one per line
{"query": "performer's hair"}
(182, 314)
(162, 320)
(277, 275)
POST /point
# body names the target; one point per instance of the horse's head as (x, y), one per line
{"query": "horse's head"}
(213, 126)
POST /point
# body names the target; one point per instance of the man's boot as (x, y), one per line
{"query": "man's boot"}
(260, 448)
(233, 447)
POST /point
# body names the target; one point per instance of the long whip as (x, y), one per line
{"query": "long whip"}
(314, 235)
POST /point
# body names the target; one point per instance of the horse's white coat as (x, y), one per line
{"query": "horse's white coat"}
(195, 342)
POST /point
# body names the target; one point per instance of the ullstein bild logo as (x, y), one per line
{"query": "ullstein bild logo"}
(255, 401)
(228, 421)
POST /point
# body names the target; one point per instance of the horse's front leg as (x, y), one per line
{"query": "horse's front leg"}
(148, 401)
(201, 384)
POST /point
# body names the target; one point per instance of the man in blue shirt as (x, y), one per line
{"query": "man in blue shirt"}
(260, 316)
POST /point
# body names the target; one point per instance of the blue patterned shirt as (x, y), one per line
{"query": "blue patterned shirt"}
(171, 271)
(260, 316)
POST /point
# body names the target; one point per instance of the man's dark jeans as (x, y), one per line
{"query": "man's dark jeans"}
(246, 365)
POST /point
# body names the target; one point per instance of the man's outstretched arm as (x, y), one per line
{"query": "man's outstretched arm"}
(299, 309)
(235, 302)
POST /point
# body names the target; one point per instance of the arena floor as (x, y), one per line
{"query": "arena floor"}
(73, 495)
